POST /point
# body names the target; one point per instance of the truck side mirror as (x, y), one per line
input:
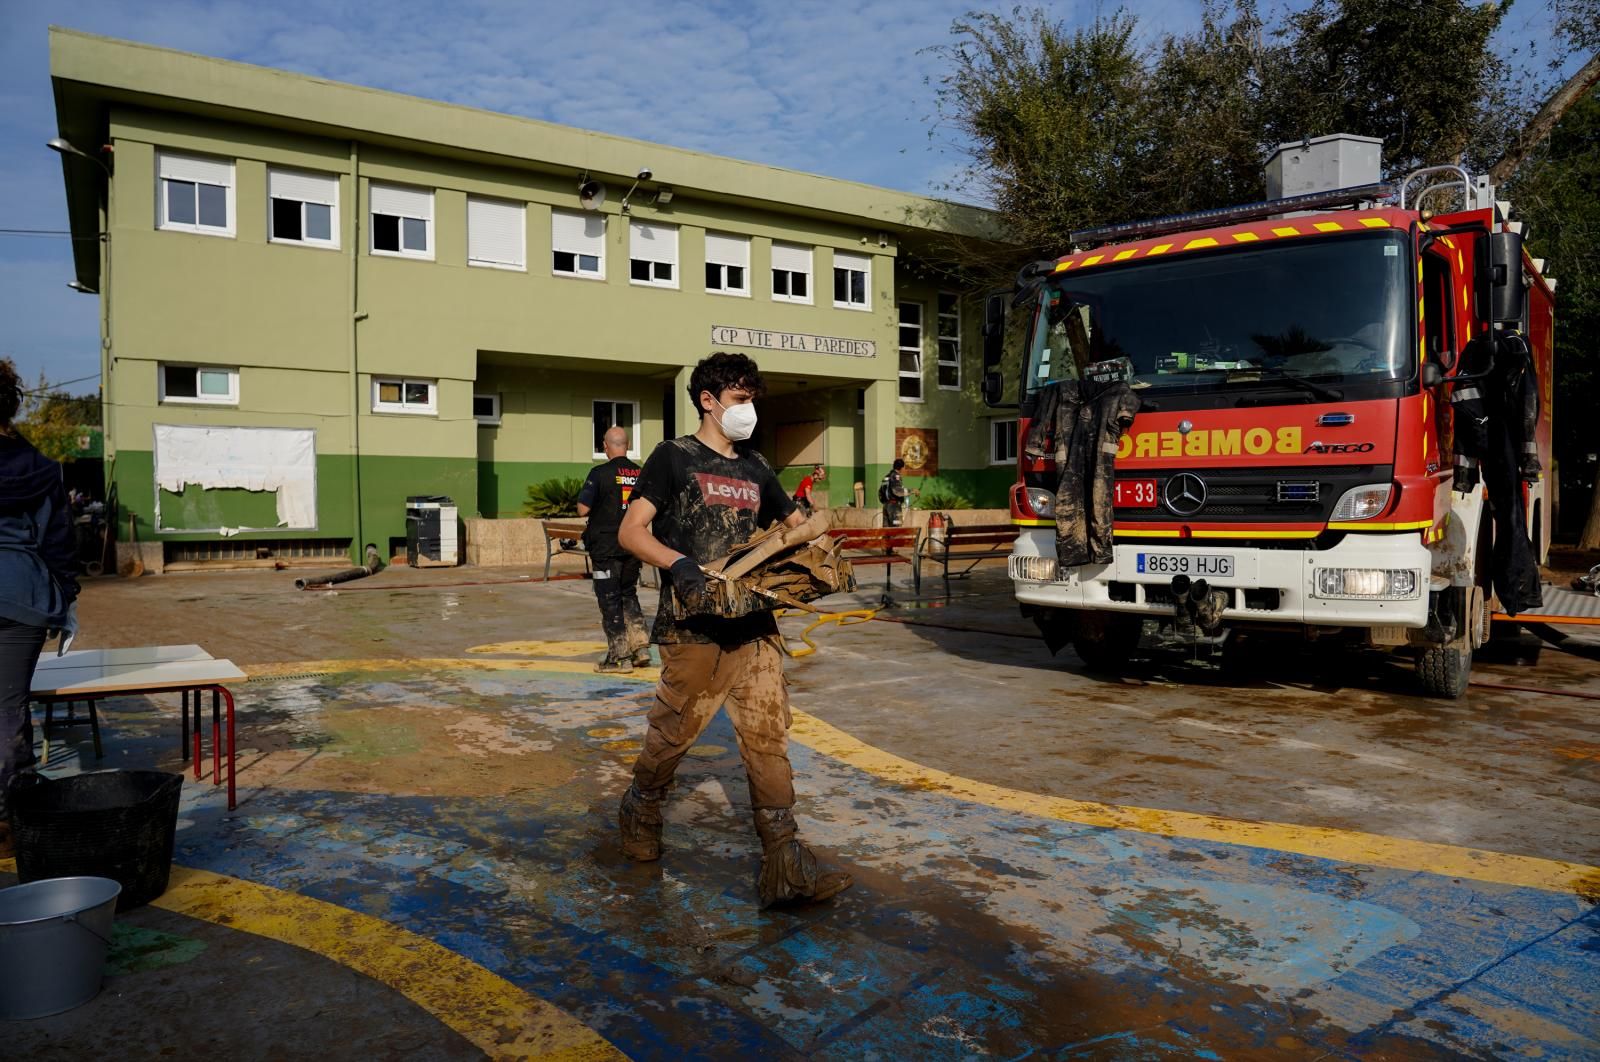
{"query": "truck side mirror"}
(994, 386)
(994, 330)
(1508, 299)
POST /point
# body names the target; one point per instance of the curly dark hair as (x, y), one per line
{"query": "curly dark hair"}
(722, 371)
(10, 392)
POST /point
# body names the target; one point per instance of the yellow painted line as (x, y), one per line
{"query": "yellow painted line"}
(1032, 523)
(568, 667)
(1345, 846)
(1375, 223)
(537, 648)
(484, 1008)
(1092, 259)
(1204, 241)
(1160, 248)
(1120, 533)
(1286, 230)
(1257, 534)
(1367, 525)
(1124, 255)
(1245, 237)
(1328, 226)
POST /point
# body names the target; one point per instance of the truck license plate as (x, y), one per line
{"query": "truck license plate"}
(1208, 565)
(1134, 494)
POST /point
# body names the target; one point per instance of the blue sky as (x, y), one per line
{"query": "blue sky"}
(829, 87)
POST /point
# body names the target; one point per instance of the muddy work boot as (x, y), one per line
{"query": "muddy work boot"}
(640, 819)
(609, 666)
(789, 870)
(642, 658)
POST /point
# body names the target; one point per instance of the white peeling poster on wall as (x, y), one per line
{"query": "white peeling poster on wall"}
(282, 460)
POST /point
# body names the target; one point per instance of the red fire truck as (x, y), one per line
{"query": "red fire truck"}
(1292, 465)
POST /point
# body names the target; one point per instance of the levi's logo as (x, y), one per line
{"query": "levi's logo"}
(729, 492)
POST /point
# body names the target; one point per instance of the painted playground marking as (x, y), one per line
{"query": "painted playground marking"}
(1345, 846)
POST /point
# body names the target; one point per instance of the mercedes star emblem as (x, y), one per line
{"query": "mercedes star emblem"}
(1184, 494)
(1185, 427)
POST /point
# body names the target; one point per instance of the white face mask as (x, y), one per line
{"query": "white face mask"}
(738, 421)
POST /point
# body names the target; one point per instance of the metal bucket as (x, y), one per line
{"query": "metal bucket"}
(53, 940)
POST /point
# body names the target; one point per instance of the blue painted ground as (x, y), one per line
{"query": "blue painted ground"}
(970, 930)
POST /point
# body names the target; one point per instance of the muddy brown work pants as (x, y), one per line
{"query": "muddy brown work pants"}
(698, 679)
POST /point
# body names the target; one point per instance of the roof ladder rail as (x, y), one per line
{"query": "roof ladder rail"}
(1460, 171)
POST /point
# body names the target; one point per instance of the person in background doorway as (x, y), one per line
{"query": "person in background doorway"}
(38, 587)
(892, 492)
(698, 497)
(603, 499)
(802, 493)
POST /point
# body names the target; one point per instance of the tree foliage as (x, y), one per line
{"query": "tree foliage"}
(53, 420)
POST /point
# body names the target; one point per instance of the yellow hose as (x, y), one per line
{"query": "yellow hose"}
(842, 619)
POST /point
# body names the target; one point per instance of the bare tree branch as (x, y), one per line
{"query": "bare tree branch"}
(1539, 127)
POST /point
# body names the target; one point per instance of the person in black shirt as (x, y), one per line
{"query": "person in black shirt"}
(698, 497)
(603, 499)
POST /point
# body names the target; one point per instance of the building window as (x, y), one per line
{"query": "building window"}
(196, 194)
(402, 221)
(497, 233)
(949, 337)
(391, 394)
(791, 273)
(852, 281)
(303, 208)
(728, 264)
(612, 413)
(486, 409)
(578, 244)
(911, 352)
(1002, 442)
(653, 254)
(200, 384)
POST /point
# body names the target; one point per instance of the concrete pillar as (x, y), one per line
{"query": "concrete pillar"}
(686, 412)
(878, 433)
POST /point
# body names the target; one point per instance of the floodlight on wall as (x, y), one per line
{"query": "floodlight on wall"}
(591, 194)
(664, 196)
(81, 288)
(643, 175)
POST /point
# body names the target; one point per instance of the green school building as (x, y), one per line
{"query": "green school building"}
(319, 299)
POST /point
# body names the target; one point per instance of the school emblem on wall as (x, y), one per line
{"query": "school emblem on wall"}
(919, 449)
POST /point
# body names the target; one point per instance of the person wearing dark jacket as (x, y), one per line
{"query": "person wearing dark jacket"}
(37, 581)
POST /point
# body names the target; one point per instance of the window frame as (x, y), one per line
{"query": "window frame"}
(677, 269)
(521, 228)
(866, 281)
(918, 350)
(577, 256)
(633, 434)
(737, 293)
(332, 242)
(493, 419)
(810, 274)
(939, 339)
(428, 228)
(994, 425)
(229, 196)
(401, 408)
(198, 399)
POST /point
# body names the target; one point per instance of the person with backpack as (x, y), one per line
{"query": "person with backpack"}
(38, 582)
(892, 494)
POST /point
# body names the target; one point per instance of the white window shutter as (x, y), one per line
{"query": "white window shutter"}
(402, 201)
(578, 233)
(196, 169)
(859, 262)
(495, 231)
(728, 250)
(655, 243)
(306, 187)
(794, 259)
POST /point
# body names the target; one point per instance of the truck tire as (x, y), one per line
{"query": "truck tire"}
(1444, 670)
(1104, 641)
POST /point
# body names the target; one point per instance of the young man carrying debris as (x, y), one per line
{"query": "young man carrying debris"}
(603, 499)
(699, 496)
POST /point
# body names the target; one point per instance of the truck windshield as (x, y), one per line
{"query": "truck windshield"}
(1326, 311)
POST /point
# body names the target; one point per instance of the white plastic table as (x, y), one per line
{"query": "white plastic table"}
(94, 674)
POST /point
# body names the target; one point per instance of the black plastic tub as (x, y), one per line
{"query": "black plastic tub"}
(108, 824)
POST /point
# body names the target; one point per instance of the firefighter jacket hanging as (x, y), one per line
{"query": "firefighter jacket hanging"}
(1079, 423)
(1495, 420)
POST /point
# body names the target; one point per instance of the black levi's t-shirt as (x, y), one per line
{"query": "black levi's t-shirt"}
(706, 504)
(607, 492)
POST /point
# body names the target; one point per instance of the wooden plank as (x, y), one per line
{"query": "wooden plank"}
(147, 654)
(132, 678)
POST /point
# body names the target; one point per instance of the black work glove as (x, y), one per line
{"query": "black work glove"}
(687, 579)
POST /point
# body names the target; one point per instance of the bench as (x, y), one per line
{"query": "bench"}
(881, 545)
(554, 533)
(971, 544)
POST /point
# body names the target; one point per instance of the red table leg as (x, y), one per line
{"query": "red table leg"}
(199, 757)
(231, 762)
(216, 738)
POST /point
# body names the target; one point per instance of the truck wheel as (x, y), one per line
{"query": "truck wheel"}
(1444, 670)
(1105, 640)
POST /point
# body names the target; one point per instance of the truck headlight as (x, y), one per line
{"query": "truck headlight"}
(1033, 569)
(1363, 503)
(1042, 502)
(1392, 584)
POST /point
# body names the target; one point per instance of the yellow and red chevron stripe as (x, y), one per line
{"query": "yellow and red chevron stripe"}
(1250, 232)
